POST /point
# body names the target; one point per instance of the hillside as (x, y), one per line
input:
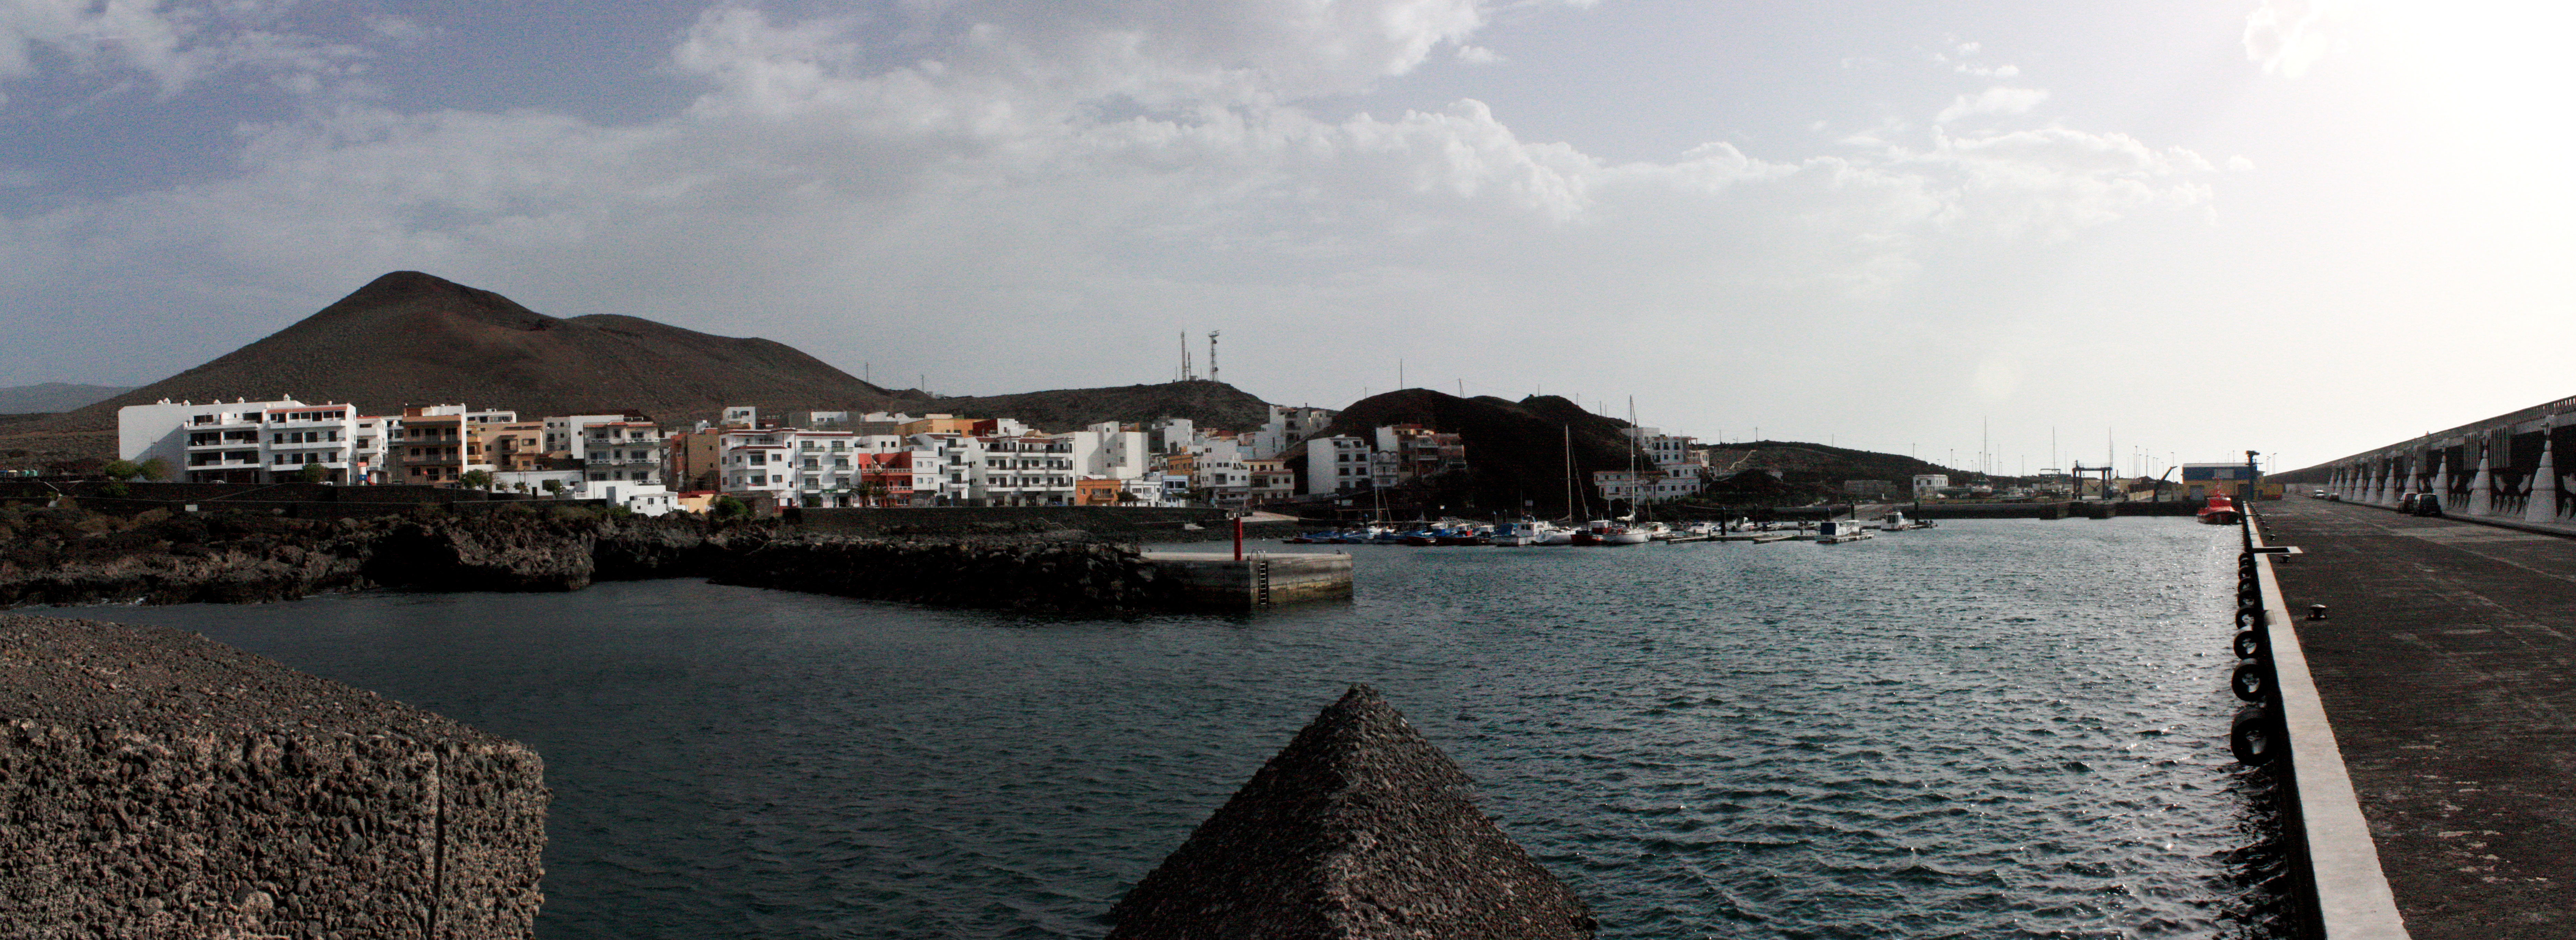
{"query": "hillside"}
(1515, 450)
(410, 338)
(1210, 405)
(49, 397)
(1825, 463)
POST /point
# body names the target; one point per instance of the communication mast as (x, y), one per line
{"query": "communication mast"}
(1212, 355)
(1185, 355)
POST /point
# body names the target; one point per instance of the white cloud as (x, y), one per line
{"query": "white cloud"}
(172, 45)
(1030, 168)
(1996, 100)
(2289, 36)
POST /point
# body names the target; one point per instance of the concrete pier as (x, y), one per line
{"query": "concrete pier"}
(2447, 661)
(1217, 581)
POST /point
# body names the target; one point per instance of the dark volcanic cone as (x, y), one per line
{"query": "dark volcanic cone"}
(1359, 828)
(409, 338)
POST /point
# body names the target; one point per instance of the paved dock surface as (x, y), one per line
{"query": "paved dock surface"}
(2448, 669)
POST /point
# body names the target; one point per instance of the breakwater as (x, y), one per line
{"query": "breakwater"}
(154, 783)
(69, 556)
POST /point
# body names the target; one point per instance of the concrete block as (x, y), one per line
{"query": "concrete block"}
(154, 783)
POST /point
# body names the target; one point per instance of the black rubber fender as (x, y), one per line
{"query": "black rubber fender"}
(2257, 737)
(2251, 682)
(2248, 618)
(2249, 644)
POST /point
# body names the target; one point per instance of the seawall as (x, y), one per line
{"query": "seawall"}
(155, 783)
(66, 556)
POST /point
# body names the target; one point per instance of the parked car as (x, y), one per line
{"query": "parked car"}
(2427, 504)
(2406, 503)
(2320, 494)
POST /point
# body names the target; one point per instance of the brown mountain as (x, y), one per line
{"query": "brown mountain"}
(1209, 405)
(410, 338)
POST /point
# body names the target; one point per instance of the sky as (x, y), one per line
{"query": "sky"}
(2041, 231)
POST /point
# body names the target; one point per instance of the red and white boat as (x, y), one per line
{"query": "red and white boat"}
(2221, 511)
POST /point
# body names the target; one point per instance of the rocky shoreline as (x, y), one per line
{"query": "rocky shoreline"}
(69, 556)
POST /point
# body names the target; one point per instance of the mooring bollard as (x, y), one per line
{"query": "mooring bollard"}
(2316, 611)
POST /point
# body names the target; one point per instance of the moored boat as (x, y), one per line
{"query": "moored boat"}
(2221, 511)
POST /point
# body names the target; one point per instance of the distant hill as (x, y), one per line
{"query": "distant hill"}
(1823, 463)
(55, 396)
(409, 338)
(1208, 405)
(1515, 450)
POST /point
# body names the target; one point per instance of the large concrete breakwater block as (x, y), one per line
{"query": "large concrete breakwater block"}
(155, 783)
(1359, 828)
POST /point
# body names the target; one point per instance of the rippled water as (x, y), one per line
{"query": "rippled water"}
(1990, 729)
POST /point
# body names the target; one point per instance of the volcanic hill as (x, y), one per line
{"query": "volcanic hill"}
(1213, 406)
(1515, 450)
(1518, 450)
(409, 338)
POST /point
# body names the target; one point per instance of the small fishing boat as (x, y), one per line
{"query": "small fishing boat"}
(2221, 511)
(1838, 531)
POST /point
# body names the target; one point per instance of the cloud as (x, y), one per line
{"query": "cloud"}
(2289, 36)
(1022, 171)
(1996, 100)
(171, 45)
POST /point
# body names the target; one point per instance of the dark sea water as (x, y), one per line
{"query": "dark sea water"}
(1990, 729)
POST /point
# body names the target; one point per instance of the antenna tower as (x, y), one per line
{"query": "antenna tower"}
(1212, 355)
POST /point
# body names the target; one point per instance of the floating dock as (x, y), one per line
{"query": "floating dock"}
(1219, 581)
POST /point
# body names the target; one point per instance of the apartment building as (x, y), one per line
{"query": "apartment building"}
(1337, 464)
(437, 443)
(1271, 481)
(632, 450)
(256, 442)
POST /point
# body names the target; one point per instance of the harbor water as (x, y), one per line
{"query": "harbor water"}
(1988, 729)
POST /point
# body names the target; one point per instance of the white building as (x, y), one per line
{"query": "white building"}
(1030, 470)
(1337, 464)
(257, 442)
(1930, 485)
(625, 451)
(1285, 428)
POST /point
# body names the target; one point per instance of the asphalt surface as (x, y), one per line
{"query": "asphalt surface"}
(2447, 668)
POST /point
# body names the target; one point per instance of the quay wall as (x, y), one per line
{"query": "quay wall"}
(67, 556)
(1216, 580)
(2342, 891)
(154, 783)
(2049, 510)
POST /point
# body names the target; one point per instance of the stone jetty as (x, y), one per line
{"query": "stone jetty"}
(68, 556)
(154, 783)
(1359, 828)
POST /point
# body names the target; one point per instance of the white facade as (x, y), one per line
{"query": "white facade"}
(1119, 454)
(1337, 464)
(1930, 485)
(622, 451)
(256, 442)
(643, 499)
(1285, 428)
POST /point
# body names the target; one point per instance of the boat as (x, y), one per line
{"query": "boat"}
(1607, 532)
(1516, 534)
(2221, 511)
(1838, 531)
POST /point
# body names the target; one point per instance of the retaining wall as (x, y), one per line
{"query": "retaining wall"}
(155, 783)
